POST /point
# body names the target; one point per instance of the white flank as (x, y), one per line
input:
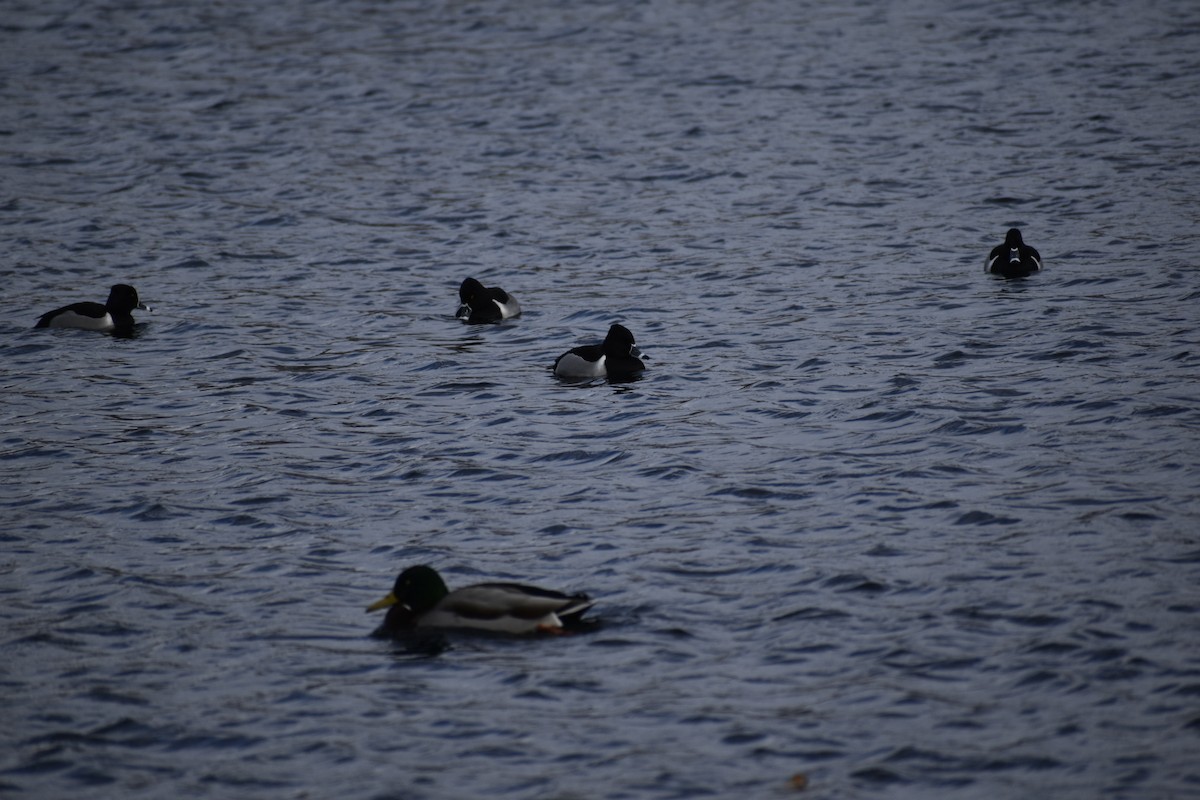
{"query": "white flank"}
(574, 366)
(69, 319)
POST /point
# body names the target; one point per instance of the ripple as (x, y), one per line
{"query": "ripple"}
(871, 518)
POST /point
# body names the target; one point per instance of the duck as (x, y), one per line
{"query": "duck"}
(617, 357)
(1014, 258)
(485, 304)
(420, 599)
(114, 316)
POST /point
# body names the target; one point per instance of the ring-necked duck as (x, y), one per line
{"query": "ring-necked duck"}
(1014, 258)
(617, 357)
(114, 315)
(483, 304)
(420, 599)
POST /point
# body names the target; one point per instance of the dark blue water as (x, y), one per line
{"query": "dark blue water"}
(871, 517)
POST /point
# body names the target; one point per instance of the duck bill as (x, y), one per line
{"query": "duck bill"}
(144, 307)
(386, 602)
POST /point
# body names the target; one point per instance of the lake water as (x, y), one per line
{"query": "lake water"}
(872, 521)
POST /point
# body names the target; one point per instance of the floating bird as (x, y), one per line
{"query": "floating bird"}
(618, 357)
(1014, 258)
(420, 599)
(485, 304)
(114, 315)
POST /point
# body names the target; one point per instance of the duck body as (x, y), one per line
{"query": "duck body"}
(420, 600)
(1014, 258)
(617, 357)
(115, 315)
(481, 303)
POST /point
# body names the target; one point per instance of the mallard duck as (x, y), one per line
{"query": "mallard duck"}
(1014, 258)
(485, 304)
(114, 315)
(617, 357)
(420, 599)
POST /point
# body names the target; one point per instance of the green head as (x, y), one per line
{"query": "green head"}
(419, 588)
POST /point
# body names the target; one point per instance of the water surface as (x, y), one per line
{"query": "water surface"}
(871, 516)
